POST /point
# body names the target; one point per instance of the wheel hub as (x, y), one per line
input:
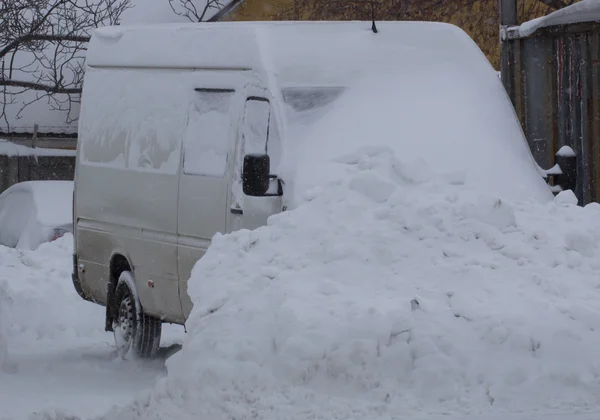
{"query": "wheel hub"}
(124, 324)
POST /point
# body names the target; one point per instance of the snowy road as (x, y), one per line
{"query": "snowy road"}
(60, 361)
(81, 380)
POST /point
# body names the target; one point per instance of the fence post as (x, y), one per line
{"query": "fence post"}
(508, 17)
(508, 12)
(34, 136)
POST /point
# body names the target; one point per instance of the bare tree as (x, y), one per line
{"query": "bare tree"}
(203, 10)
(42, 49)
(558, 4)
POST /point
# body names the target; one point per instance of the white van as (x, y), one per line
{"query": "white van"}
(182, 133)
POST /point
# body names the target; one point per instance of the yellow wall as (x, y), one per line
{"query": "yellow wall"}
(478, 18)
(258, 10)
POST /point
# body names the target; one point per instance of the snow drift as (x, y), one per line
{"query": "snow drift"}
(379, 298)
(405, 282)
(45, 307)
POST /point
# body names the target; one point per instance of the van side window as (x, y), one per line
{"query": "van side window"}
(206, 141)
(256, 125)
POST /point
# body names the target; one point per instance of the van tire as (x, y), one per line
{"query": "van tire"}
(136, 333)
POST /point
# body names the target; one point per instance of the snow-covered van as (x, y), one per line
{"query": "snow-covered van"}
(187, 131)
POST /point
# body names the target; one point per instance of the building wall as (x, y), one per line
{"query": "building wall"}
(253, 10)
(479, 18)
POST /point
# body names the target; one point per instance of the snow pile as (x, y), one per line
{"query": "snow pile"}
(45, 307)
(382, 296)
(31, 211)
(53, 201)
(583, 11)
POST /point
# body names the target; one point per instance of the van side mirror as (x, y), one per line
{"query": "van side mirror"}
(255, 174)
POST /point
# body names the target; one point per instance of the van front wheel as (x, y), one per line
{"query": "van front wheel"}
(135, 333)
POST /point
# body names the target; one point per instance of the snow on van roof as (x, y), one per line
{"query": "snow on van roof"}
(297, 52)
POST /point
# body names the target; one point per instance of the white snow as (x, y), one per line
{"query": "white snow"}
(583, 11)
(127, 119)
(565, 151)
(53, 201)
(29, 211)
(60, 364)
(208, 131)
(298, 53)
(255, 128)
(465, 131)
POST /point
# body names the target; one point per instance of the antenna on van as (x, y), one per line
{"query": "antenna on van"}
(373, 26)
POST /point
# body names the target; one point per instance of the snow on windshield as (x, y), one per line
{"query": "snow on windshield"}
(465, 129)
(307, 98)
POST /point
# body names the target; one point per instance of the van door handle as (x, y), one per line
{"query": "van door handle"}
(235, 210)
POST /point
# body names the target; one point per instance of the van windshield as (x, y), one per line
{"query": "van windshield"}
(305, 105)
(308, 98)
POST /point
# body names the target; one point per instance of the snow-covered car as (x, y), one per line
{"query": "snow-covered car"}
(35, 212)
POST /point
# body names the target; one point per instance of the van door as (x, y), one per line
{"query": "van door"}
(257, 138)
(203, 185)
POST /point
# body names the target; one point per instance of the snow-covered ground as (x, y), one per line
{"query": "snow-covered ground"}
(60, 361)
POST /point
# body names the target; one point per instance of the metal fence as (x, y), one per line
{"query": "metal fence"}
(553, 79)
(15, 168)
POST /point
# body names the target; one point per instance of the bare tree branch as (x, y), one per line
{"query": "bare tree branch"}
(557, 4)
(40, 37)
(194, 13)
(42, 49)
(39, 86)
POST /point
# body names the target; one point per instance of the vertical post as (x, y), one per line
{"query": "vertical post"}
(34, 136)
(508, 17)
(508, 12)
(34, 139)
